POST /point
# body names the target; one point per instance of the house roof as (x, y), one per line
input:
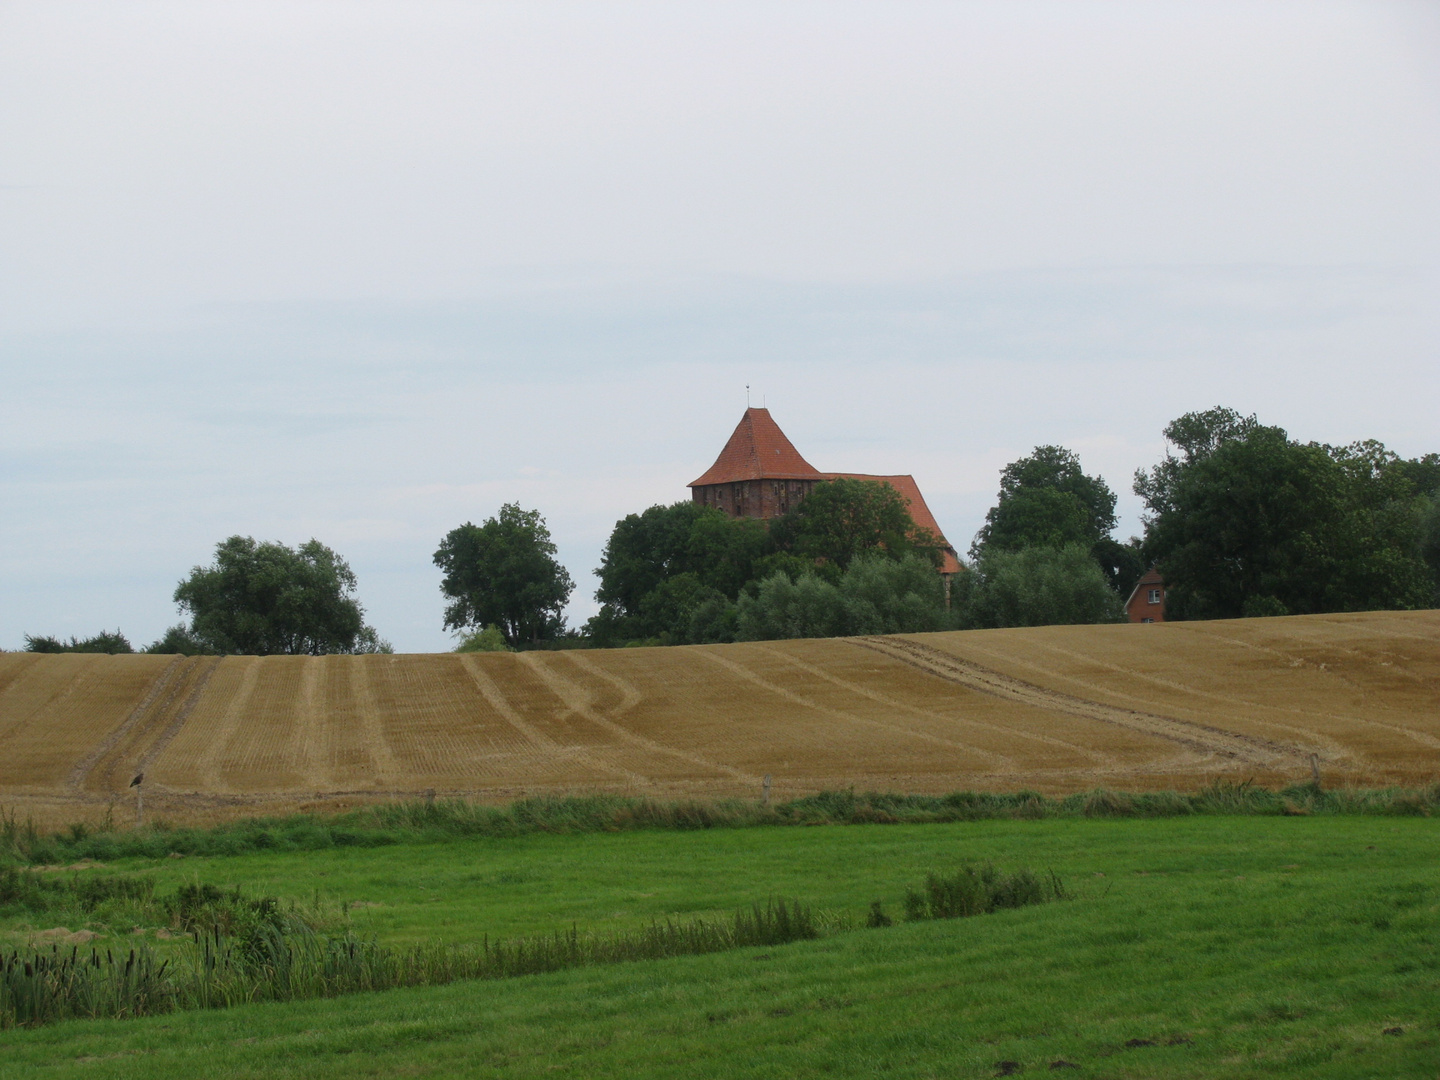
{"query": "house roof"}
(919, 512)
(758, 450)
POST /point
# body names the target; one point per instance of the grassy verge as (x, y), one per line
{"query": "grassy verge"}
(1215, 947)
(420, 820)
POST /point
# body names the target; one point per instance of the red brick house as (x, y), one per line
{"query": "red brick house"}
(760, 474)
(1147, 599)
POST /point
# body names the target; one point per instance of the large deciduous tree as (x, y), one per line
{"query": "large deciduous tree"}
(668, 574)
(1047, 500)
(1246, 521)
(503, 573)
(262, 598)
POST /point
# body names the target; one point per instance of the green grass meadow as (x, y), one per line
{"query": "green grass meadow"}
(1214, 946)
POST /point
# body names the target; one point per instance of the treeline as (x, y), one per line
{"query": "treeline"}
(1245, 521)
(1241, 520)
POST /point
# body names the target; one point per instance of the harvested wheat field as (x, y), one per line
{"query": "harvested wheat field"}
(1056, 709)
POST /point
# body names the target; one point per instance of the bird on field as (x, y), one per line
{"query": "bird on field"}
(138, 777)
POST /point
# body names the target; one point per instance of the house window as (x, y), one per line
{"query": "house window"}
(1154, 596)
(1147, 620)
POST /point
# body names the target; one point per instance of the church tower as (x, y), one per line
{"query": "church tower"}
(759, 474)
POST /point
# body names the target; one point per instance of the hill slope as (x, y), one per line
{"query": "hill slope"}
(1053, 708)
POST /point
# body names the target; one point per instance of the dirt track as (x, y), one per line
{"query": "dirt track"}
(1052, 708)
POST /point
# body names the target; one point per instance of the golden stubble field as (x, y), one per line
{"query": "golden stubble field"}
(1056, 709)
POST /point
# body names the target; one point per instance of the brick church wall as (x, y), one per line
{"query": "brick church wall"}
(754, 498)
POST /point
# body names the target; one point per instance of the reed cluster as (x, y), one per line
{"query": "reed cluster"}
(981, 890)
(285, 962)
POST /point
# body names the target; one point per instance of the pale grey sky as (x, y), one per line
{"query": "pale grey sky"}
(366, 271)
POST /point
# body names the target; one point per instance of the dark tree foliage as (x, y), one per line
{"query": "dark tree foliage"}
(843, 519)
(179, 639)
(103, 642)
(1246, 521)
(1046, 500)
(1122, 564)
(670, 567)
(504, 573)
(1424, 474)
(265, 598)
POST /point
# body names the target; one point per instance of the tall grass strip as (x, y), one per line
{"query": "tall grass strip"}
(273, 963)
(439, 820)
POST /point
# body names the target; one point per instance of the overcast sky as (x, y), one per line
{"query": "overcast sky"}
(364, 272)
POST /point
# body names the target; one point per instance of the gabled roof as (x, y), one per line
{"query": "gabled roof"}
(919, 512)
(758, 450)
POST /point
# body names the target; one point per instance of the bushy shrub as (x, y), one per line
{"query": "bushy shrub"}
(1040, 586)
(806, 608)
(486, 639)
(875, 595)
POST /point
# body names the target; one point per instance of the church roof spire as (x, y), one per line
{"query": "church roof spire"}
(758, 450)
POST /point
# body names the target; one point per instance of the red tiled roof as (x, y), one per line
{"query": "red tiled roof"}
(758, 450)
(919, 512)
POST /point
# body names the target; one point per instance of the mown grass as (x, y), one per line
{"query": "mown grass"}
(1233, 946)
(386, 824)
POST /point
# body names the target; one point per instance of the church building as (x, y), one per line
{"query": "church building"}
(760, 474)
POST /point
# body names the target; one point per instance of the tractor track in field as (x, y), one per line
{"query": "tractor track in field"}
(150, 703)
(895, 731)
(539, 740)
(176, 679)
(581, 702)
(1187, 733)
(1003, 761)
(166, 737)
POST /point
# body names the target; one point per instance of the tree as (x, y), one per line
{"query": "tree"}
(1039, 586)
(1046, 500)
(842, 519)
(103, 642)
(1246, 521)
(808, 607)
(1197, 435)
(179, 639)
(661, 566)
(889, 596)
(503, 573)
(263, 598)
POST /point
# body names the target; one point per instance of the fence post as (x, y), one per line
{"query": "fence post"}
(1315, 768)
(765, 801)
